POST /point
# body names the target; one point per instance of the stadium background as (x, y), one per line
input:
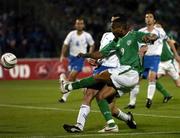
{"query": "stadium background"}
(35, 30)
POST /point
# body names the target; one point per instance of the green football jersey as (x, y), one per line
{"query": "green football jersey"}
(126, 49)
(166, 52)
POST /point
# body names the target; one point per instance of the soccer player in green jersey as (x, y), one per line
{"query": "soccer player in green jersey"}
(125, 46)
(169, 65)
(90, 93)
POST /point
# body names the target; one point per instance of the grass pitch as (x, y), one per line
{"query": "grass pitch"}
(30, 109)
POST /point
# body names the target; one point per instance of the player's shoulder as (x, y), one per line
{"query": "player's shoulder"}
(86, 33)
(72, 32)
(107, 34)
(142, 29)
(159, 28)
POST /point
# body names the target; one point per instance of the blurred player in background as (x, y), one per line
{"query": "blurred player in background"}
(152, 56)
(169, 64)
(155, 72)
(77, 41)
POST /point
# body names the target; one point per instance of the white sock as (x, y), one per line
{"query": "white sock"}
(83, 113)
(133, 95)
(70, 88)
(151, 90)
(65, 96)
(123, 116)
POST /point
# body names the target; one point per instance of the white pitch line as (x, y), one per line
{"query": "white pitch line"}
(161, 116)
(74, 110)
(41, 108)
(103, 134)
(120, 134)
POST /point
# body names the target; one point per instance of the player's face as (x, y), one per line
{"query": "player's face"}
(149, 19)
(116, 29)
(79, 25)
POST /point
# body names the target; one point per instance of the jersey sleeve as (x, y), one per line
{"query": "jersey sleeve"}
(163, 34)
(89, 40)
(104, 41)
(68, 39)
(108, 49)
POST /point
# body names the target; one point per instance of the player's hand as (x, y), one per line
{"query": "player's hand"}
(92, 62)
(143, 50)
(81, 55)
(150, 38)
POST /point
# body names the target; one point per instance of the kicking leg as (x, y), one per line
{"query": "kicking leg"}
(86, 82)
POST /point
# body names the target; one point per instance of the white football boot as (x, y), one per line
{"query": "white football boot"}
(109, 129)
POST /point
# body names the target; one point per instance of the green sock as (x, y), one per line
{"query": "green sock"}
(161, 89)
(104, 107)
(84, 83)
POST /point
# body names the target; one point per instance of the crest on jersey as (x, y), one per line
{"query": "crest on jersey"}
(129, 42)
(118, 45)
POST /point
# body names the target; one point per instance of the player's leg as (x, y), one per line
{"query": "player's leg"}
(104, 108)
(163, 91)
(86, 82)
(177, 82)
(132, 99)
(151, 88)
(89, 95)
(120, 80)
(151, 64)
(163, 66)
(85, 107)
(72, 77)
(83, 112)
(120, 115)
(75, 67)
(174, 72)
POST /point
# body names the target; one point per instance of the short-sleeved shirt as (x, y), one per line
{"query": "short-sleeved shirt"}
(126, 49)
(111, 61)
(78, 43)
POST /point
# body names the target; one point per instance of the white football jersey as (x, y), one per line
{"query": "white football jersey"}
(111, 61)
(78, 43)
(156, 48)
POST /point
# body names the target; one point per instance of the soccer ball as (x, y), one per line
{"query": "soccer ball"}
(8, 60)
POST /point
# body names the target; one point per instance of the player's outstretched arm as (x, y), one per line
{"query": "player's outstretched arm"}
(173, 45)
(94, 55)
(63, 52)
(149, 38)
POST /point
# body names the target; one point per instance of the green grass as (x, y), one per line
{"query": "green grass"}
(30, 109)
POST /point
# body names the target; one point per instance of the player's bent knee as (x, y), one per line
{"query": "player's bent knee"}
(88, 97)
(178, 84)
(177, 81)
(100, 97)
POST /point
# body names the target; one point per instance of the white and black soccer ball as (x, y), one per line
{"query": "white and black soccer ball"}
(8, 60)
